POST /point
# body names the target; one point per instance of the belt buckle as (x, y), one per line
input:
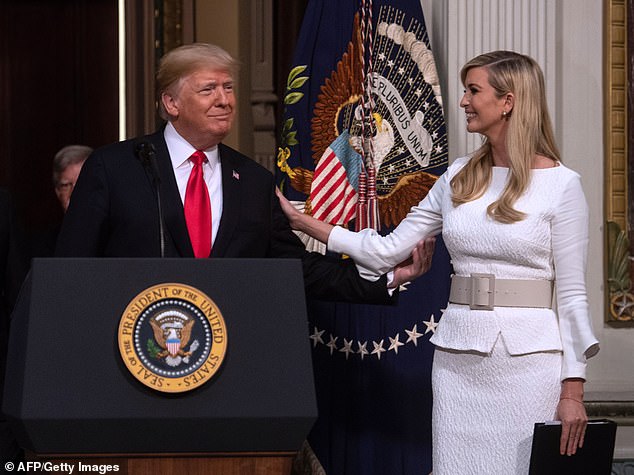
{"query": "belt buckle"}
(482, 297)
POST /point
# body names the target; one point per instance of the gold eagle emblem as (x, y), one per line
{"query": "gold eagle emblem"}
(172, 331)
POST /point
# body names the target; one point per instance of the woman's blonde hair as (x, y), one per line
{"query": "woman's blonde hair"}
(184, 60)
(529, 133)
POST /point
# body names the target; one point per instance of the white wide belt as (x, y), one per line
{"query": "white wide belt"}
(484, 291)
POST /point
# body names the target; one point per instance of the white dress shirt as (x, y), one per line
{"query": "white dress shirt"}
(180, 150)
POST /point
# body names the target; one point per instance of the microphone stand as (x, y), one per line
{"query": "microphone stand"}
(146, 153)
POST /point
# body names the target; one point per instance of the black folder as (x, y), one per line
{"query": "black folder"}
(594, 458)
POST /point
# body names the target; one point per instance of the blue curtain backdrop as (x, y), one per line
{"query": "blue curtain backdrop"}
(372, 364)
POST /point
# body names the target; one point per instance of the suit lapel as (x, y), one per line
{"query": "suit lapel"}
(173, 212)
(231, 201)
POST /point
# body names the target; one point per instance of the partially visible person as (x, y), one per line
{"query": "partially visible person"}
(13, 268)
(66, 167)
(67, 164)
(181, 192)
(515, 222)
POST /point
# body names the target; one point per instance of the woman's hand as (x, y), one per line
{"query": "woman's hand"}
(303, 222)
(572, 414)
(416, 265)
(289, 210)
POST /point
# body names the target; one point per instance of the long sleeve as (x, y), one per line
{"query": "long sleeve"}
(376, 254)
(570, 248)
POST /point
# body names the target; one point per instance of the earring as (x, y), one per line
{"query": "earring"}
(504, 114)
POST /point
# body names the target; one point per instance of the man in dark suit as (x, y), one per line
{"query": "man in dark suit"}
(67, 164)
(132, 197)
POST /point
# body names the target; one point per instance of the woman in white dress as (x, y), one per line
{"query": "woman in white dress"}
(515, 222)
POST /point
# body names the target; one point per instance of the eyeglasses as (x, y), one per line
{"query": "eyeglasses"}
(65, 186)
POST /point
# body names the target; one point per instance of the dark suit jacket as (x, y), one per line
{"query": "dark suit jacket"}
(114, 213)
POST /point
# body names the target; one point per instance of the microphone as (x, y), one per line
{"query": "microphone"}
(146, 153)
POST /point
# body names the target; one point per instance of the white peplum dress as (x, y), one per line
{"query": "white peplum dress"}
(496, 373)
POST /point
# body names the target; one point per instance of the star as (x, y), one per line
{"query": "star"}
(438, 149)
(410, 81)
(385, 180)
(378, 349)
(332, 344)
(400, 150)
(408, 162)
(395, 343)
(347, 347)
(390, 63)
(426, 105)
(382, 56)
(434, 135)
(622, 305)
(418, 92)
(363, 351)
(431, 325)
(316, 337)
(401, 70)
(413, 335)
(391, 168)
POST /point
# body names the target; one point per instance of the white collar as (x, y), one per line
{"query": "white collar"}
(180, 149)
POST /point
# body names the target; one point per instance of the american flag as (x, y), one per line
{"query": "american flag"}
(333, 193)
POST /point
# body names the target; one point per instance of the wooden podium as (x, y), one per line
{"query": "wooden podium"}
(69, 396)
(179, 464)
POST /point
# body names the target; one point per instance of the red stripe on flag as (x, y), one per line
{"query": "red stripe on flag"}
(322, 187)
(342, 205)
(332, 196)
(332, 187)
(336, 200)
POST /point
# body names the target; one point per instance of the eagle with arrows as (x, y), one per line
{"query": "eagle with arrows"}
(172, 338)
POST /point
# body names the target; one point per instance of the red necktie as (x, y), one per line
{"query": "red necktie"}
(198, 207)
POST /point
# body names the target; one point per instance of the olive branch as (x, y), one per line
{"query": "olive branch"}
(288, 136)
(152, 348)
